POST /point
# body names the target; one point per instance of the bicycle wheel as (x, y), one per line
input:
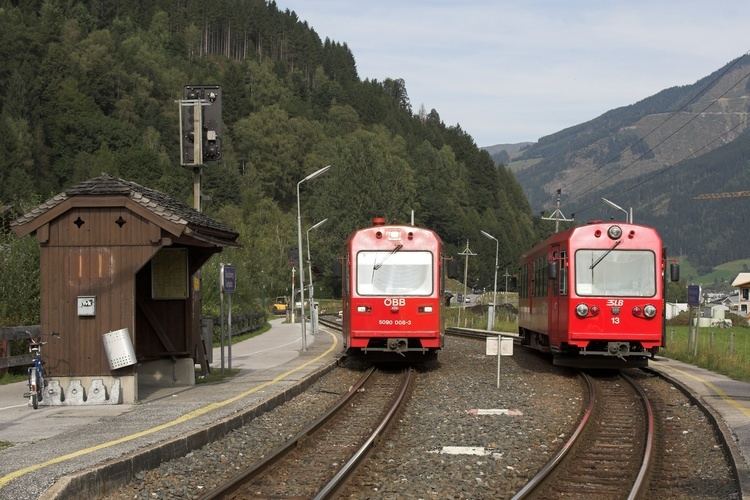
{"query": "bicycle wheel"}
(34, 400)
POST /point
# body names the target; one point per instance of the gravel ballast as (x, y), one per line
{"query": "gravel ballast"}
(459, 436)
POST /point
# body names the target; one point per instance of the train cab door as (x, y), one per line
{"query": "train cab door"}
(559, 293)
(554, 278)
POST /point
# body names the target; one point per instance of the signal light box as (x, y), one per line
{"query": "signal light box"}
(200, 124)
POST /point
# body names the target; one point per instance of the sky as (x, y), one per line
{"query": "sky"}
(510, 72)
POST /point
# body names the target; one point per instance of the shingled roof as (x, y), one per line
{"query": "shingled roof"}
(157, 202)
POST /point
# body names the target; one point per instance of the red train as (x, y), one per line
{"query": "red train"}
(392, 291)
(593, 295)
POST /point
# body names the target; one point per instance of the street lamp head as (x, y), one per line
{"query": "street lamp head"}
(488, 235)
(318, 224)
(316, 173)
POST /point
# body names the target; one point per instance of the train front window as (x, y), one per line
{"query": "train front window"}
(394, 273)
(620, 273)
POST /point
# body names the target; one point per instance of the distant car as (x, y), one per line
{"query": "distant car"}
(468, 299)
(341, 314)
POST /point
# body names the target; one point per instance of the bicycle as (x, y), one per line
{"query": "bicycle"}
(37, 381)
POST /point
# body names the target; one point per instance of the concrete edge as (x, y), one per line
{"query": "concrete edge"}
(740, 467)
(106, 477)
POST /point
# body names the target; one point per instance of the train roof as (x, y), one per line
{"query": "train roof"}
(575, 231)
(381, 226)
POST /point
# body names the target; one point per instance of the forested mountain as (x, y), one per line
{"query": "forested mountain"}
(656, 155)
(503, 154)
(90, 86)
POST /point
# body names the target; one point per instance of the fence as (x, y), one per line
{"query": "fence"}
(7, 335)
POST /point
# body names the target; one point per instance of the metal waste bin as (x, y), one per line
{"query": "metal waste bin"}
(119, 349)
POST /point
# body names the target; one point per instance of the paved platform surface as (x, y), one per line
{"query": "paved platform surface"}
(52, 444)
(728, 398)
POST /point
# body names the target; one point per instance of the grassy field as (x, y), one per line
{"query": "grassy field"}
(723, 273)
(723, 350)
(9, 378)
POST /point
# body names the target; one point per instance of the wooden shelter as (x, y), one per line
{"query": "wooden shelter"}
(115, 255)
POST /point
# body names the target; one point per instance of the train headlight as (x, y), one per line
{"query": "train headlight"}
(582, 310)
(649, 311)
(614, 232)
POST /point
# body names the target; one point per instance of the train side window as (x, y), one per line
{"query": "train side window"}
(563, 274)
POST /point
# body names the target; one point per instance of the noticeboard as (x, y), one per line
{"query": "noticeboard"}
(169, 274)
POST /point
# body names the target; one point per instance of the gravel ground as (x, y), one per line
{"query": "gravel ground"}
(690, 461)
(515, 446)
(416, 460)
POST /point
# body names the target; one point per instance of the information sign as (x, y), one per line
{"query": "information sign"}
(694, 295)
(228, 278)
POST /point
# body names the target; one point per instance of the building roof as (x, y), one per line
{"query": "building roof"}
(742, 279)
(157, 202)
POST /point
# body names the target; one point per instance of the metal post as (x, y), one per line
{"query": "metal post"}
(557, 215)
(491, 315)
(221, 335)
(291, 303)
(467, 252)
(309, 274)
(229, 328)
(499, 355)
(313, 311)
(506, 275)
(299, 252)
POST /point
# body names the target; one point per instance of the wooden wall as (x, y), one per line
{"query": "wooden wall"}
(101, 258)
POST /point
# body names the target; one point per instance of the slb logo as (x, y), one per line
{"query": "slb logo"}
(394, 302)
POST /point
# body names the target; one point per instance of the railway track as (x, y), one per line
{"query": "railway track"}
(609, 453)
(331, 322)
(319, 459)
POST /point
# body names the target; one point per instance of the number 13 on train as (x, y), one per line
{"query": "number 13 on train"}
(593, 296)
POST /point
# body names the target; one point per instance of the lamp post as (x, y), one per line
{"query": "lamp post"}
(491, 316)
(313, 312)
(301, 264)
(628, 216)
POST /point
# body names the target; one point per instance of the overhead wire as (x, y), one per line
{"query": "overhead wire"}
(674, 113)
(669, 136)
(666, 169)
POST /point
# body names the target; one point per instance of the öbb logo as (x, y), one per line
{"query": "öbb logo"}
(394, 302)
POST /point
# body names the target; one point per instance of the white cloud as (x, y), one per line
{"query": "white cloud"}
(514, 71)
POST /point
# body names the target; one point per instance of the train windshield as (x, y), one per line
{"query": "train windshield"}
(621, 273)
(392, 272)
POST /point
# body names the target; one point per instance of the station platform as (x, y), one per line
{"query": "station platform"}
(51, 452)
(729, 402)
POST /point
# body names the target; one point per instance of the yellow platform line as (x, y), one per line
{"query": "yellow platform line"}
(718, 390)
(4, 480)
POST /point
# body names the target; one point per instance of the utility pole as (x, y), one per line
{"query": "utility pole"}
(506, 276)
(557, 215)
(467, 252)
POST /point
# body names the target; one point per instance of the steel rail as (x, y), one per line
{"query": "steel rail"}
(544, 473)
(330, 323)
(639, 487)
(345, 471)
(468, 333)
(234, 483)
